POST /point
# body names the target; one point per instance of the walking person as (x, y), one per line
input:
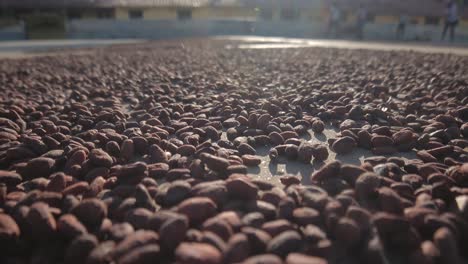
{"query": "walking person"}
(333, 20)
(361, 20)
(451, 19)
(401, 28)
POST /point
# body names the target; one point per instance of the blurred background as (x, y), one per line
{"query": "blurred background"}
(402, 20)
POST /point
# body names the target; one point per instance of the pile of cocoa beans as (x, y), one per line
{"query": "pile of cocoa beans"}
(141, 153)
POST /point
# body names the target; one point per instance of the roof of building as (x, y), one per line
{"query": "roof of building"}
(273, 3)
(101, 3)
(186, 3)
(391, 7)
(381, 5)
(398, 7)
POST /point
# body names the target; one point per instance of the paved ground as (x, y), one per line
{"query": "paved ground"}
(15, 49)
(18, 49)
(256, 42)
(268, 170)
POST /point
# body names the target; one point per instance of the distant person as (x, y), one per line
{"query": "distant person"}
(333, 20)
(401, 28)
(451, 19)
(361, 19)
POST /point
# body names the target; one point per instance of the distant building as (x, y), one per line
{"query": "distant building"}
(169, 9)
(90, 18)
(419, 12)
(130, 9)
(381, 11)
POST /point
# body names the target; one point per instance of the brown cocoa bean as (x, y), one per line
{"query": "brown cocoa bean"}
(284, 243)
(197, 209)
(237, 249)
(240, 187)
(41, 221)
(9, 230)
(318, 126)
(91, 212)
(144, 254)
(297, 258)
(329, 170)
(263, 259)
(344, 145)
(172, 232)
(70, 227)
(251, 160)
(197, 253)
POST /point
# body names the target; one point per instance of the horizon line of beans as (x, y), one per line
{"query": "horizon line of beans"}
(118, 157)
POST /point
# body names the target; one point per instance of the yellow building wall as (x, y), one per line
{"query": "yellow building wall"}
(171, 13)
(419, 19)
(92, 13)
(121, 13)
(464, 23)
(311, 15)
(223, 12)
(148, 13)
(276, 14)
(89, 14)
(160, 13)
(386, 19)
(351, 18)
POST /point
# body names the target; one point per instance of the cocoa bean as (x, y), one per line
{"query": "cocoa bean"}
(197, 253)
(344, 145)
(284, 243)
(91, 212)
(197, 209)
